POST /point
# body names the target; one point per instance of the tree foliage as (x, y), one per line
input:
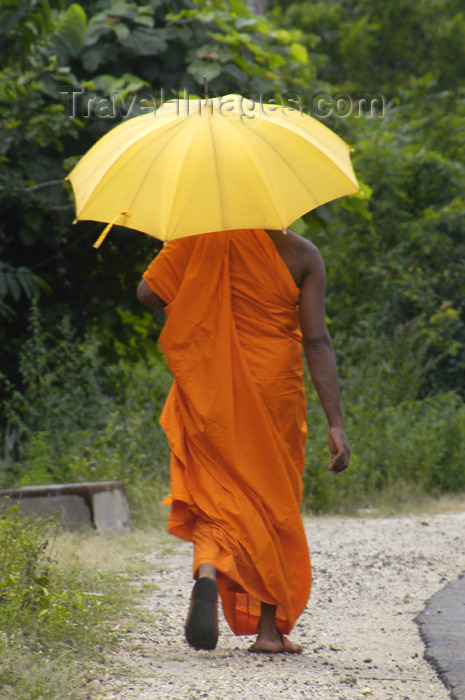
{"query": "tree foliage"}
(395, 255)
(364, 44)
(63, 64)
(396, 259)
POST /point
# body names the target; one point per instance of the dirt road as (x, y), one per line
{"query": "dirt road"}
(372, 576)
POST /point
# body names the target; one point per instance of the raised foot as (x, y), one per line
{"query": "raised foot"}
(202, 620)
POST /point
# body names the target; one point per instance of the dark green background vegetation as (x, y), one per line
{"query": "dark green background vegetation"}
(82, 379)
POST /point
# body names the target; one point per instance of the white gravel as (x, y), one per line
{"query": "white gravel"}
(372, 576)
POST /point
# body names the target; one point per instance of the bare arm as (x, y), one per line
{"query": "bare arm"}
(321, 359)
(146, 296)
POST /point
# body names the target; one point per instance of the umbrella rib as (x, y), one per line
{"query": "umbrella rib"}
(153, 162)
(213, 143)
(90, 156)
(260, 174)
(288, 163)
(258, 171)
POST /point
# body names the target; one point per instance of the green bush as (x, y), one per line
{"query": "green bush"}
(76, 418)
(53, 609)
(400, 451)
(53, 618)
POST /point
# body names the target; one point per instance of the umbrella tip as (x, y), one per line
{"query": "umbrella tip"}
(103, 235)
(205, 87)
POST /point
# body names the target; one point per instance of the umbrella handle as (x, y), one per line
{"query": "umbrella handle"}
(105, 231)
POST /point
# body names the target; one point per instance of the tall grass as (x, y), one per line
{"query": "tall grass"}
(52, 618)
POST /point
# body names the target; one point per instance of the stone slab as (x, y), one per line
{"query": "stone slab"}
(111, 512)
(100, 504)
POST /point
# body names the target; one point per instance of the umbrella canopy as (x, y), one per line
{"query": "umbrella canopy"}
(195, 166)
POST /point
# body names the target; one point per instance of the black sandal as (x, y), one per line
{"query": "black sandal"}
(202, 621)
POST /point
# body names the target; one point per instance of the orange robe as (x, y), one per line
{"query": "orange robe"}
(235, 418)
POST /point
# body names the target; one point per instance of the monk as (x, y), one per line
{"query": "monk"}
(240, 308)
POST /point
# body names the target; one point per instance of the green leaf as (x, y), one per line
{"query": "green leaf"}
(237, 7)
(198, 69)
(68, 34)
(282, 35)
(206, 17)
(121, 30)
(298, 52)
(13, 286)
(234, 71)
(146, 42)
(93, 58)
(120, 7)
(145, 20)
(275, 60)
(245, 23)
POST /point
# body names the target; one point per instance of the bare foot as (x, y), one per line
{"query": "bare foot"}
(270, 642)
(269, 639)
(281, 646)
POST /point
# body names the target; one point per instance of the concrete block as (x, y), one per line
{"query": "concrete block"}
(99, 504)
(111, 511)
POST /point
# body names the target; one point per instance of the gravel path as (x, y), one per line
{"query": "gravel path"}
(371, 578)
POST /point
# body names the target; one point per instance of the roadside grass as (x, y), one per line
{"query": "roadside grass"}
(66, 600)
(409, 501)
(398, 502)
(29, 675)
(116, 555)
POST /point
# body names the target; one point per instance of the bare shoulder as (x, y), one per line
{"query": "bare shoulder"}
(305, 247)
(300, 255)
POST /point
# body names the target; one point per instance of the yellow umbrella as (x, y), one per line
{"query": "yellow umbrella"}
(195, 166)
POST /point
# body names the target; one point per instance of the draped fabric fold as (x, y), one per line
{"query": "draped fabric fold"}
(235, 418)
